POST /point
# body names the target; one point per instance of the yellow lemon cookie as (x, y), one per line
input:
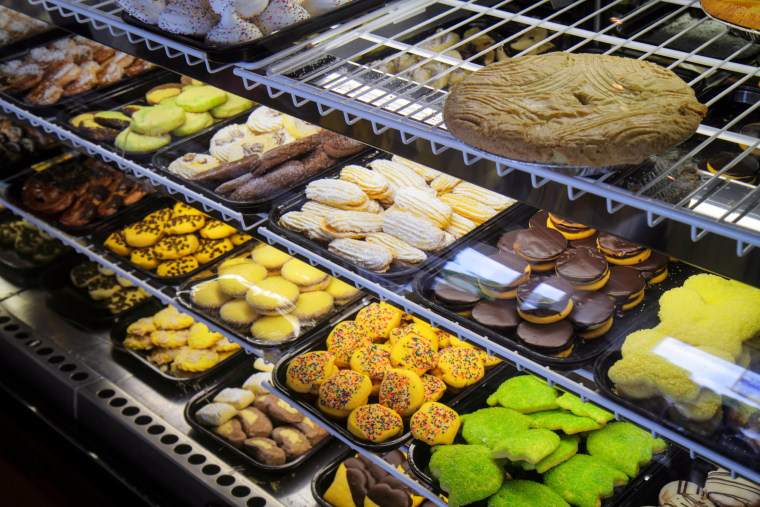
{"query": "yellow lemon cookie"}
(235, 280)
(184, 224)
(142, 327)
(117, 243)
(342, 393)
(171, 318)
(271, 258)
(402, 390)
(177, 267)
(176, 247)
(144, 257)
(227, 263)
(210, 249)
(460, 366)
(239, 238)
(238, 313)
(215, 229)
(308, 371)
(342, 292)
(414, 352)
(225, 345)
(137, 342)
(194, 360)
(160, 217)
(313, 306)
(272, 296)
(306, 277)
(208, 294)
(201, 337)
(275, 328)
(169, 338)
(142, 234)
(375, 422)
(435, 423)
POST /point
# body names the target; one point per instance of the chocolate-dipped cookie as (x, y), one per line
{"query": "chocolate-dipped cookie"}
(540, 246)
(500, 315)
(654, 269)
(544, 299)
(620, 251)
(539, 219)
(589, 242)
(506, 242)
(554, 339)
(592, 314)
(744, 170)
(584, 268)
(504, 272)
(568, 228)
(626, 286)
(454, 298)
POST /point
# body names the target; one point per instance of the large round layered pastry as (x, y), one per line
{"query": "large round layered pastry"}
(573, 109)
(744, 13)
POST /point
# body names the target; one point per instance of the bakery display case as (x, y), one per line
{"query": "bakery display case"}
(382, 77)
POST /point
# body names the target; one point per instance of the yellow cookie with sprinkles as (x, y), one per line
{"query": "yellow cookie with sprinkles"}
(180, 208)
(210, 249)
(177, 267)
(375, 423)
(379, 319)
(434, 387)
(342, 393)
(184, 224)
(142, 234)
(308, 371)
(175, 247)
(239, 238)
(373, 361)
(117, 243)
(435, 423)
(144, 257)
(216, 229)
(460, 366)
(402, 390)
(414, 352)
(346, 338)
(160, 217)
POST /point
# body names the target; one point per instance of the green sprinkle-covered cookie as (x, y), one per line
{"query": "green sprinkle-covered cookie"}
(624, 446)
(521, 493)
(467, 473)
(526, 445)
(562, 420)
(568, 447)
(584, 480)
(575, 405)
(488, 426)
(525, 394)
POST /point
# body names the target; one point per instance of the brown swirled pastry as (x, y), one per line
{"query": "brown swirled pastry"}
(573, 109)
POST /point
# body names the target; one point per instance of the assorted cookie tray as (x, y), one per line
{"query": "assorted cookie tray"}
(266, 412)
(151, 234)
(420, 452)
(93, 302)
(309, 402)
(158, 362)
(267, 45)
(220, 293)
(462, 264)
(199, 143)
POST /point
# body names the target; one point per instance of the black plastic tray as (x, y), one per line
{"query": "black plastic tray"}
(269, 44)
(319, 342)
(723, 440)
(185, 301)
(17, 99)
(119, 332)
(585, 351)
(397, 273)
(73, 303)
(13, 194)
(200, 143)
(236, 379)
(420, 452)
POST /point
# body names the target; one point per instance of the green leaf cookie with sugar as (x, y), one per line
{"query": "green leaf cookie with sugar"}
(575, 405)
(468, 473)
(568, 447)
(521, 493)
(562, 420)
(624, 446)
(528, 445)
(525, 394)
(584, 480)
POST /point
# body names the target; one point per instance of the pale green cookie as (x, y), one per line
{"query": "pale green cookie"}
(521, 493)
(525, 394)
(467, 473)
(526, 445)
(488, 426)
(575, 405)
(562, 420)
(568, 447)
(623, 446)
(584, 480)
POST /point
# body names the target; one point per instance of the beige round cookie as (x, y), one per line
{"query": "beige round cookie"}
(573, 109)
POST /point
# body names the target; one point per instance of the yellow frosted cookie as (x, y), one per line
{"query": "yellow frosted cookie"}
(117, 243)
(402, 390)
(171, 318)
(271, 258)
(272, 296)
(434, 387)
(176, 247)
(275, 328)
(144, 257)
(235, 280)
(373, 361)
(228, 263)
(138, 342)
(210, 249)
(160, 217)
(201, 337)
(142, 234)
(208, 294)
(342, 393)
(184, 224)
(299, 128)
(313, 306)
(308, 371)
(379, 319)
(177, 267)
(414, 352)
(180, 208)
(142, 327)
(306, 277)
(215, 229)
(239, 238)
(225, 345)
(435, 423)
(344, 339)
(194, 360)
(238, 313)
(375, 422)
(460, 366)
(169, 338)
(341, 292)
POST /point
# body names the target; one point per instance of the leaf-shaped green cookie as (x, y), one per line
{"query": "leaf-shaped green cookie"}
(584, 480)
(467, 472)
(525, 394)
(562, 420)
(624, 446)
(488, 426)
(526, 445)
(568, 447)
(575, 405)
(521, 493)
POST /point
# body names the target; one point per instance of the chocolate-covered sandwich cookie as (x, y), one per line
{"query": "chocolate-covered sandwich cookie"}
(555, 339)
(620, 251)
(589, 242)
(584, 268)
(592, 314)
(502, 273)
(540, 246)
(539, 219)
(568, 228)
(506, 242)
(500, 315)
(743, 170)
(626, 286)
(544, 299)
(458, 300)
(654, 269)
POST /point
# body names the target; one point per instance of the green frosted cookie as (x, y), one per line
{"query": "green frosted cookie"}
(575, 405)
(467, 473)
(584, 480)
(521, 493)
(562, 420)
(568, 447)
(527, 445)
(525, 394)
(624, 446)
(488, 426)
